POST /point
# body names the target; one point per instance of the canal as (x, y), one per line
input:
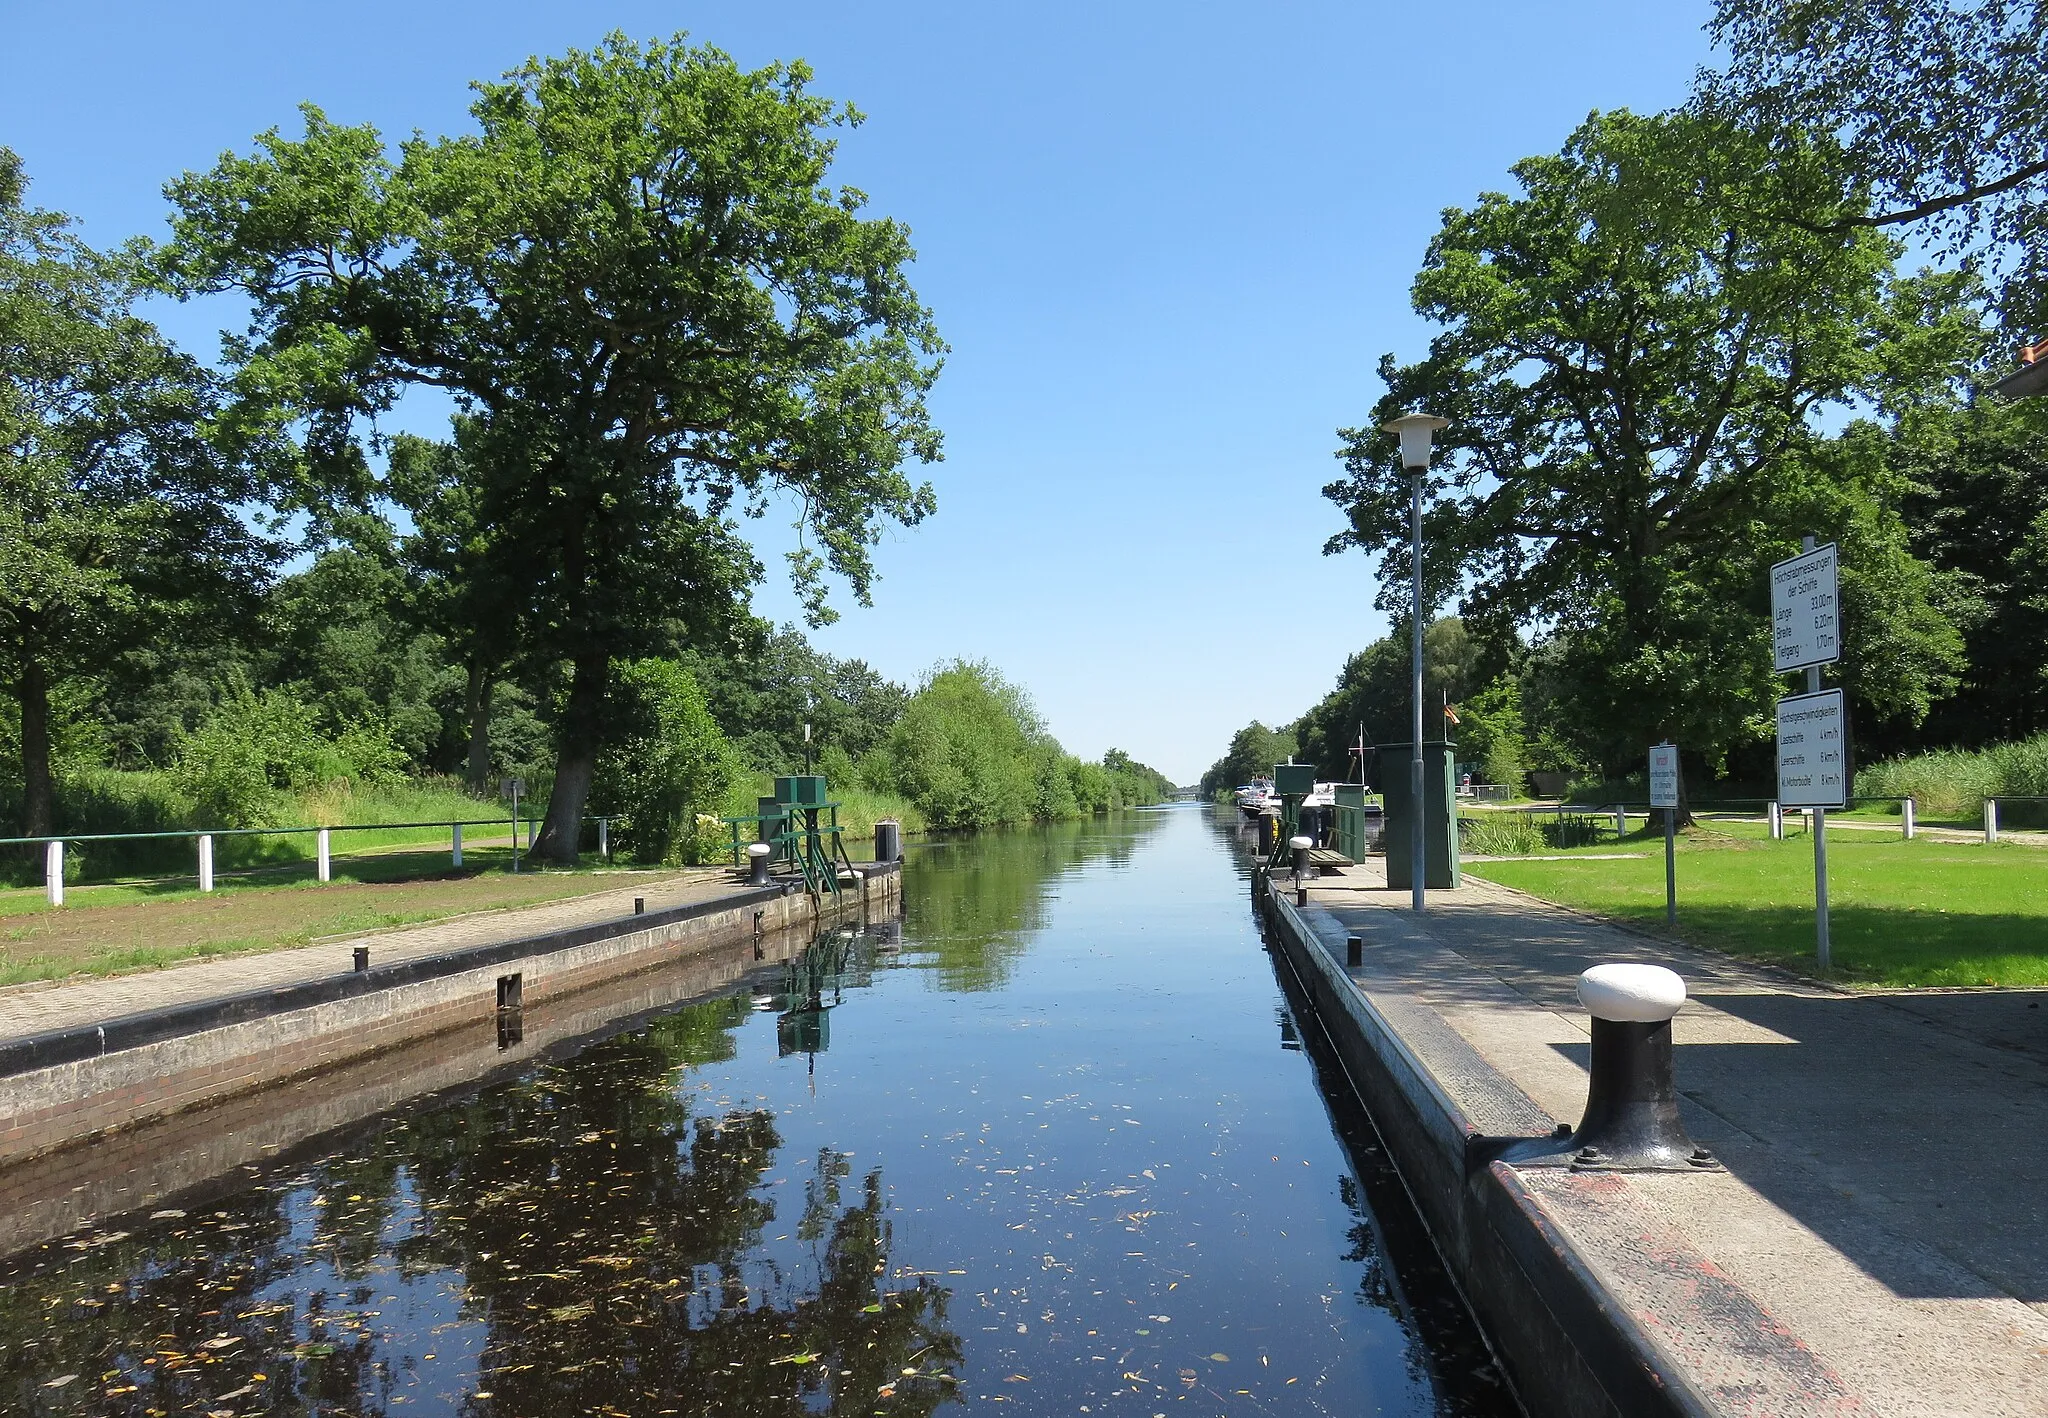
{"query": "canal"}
(1055, 1143)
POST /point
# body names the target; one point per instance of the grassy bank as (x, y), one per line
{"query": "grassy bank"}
(1902, 913)
(104, 930)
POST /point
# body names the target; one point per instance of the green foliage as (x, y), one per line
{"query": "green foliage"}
(1253, 751)
(1954, 783)
(637, 283)
(254, 748)
(967, 748)
(1373, 694)
(1491, 732)
(1499, 834)
(117, 493)
(1937, 104)
(1632, 352)
(668, 766)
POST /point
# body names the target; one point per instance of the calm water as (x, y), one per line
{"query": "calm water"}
(1055, 1146)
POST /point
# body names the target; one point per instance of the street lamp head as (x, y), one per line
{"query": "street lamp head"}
(1416, 431)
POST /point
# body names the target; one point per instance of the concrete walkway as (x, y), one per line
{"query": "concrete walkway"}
(66, 1004)
(1886, 1198)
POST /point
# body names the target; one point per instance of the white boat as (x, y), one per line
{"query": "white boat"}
(1256, 797)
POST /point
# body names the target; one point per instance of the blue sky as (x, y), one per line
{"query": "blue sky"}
(1167, 244)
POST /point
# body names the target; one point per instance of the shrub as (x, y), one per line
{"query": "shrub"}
(250, 751)
(1499, 834)
(667, 765)
(1955, 782)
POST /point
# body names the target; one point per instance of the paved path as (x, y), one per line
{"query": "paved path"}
(66, 1004)
(1886, 1197)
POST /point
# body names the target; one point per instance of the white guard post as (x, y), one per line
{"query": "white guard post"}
(206, 861)
(458, 843)
(323, 846)
(1906, 817)
(1990, 820)
(53, 872)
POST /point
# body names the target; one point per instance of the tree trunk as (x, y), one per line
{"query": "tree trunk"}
(38, 799)
(478, 703)
(576, 745)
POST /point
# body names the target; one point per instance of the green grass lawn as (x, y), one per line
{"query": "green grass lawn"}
(103, 930)
(1902, 913)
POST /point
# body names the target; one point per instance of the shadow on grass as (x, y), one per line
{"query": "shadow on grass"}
(1869, 945)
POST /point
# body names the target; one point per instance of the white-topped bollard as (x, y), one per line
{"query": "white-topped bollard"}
(205, 861)
(53, 872)
(1631, 1122)
(1300, 847)
(757, 863)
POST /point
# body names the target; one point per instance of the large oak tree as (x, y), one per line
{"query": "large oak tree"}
(1634, 365)
(635, 282)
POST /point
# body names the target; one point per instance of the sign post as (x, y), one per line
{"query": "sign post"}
(1664, 794)
(1813, 730)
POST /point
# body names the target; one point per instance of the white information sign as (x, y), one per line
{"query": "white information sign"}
(1806, 627)
(1813, 750)
(1664, 775)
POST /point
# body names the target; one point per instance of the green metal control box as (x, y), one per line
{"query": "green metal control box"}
(1439, 816)
(803, 791)
(1295, 780)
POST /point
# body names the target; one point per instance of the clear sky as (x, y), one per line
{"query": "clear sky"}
(1167, 244)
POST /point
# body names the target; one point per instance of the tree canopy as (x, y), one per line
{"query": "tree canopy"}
(636, 283)
(1938, 106)
(1632, 362)
(118, 496)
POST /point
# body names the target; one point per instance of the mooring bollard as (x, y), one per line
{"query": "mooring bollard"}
(456, 850)
(53, 872)
(206, 861)
(1354, 950)
(1990, 820)
(323, 852)
(1907, 817)
(1631, 1123)
(1777, 814)
(888, 840)
(362, 959)
(1300, 847)
(757, 863)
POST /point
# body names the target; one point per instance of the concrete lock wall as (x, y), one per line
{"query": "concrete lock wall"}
(60, 1089)
(1568, 1346)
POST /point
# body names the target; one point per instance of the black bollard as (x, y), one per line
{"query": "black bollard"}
(757, 863)
(888, 841)
(639, 905)
(362, 958)
(1631, 1122)
(1354, 950)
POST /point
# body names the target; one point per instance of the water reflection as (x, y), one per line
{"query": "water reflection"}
(975, 902)
(585, 1240)
(1038, 1147)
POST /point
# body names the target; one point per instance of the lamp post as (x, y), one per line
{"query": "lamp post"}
(1416, 432)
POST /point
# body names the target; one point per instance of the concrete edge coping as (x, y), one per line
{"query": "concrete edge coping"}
(1631, 1368)
(86, 1041)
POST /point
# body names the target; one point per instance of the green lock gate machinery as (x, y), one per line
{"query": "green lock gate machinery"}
(801, 827)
